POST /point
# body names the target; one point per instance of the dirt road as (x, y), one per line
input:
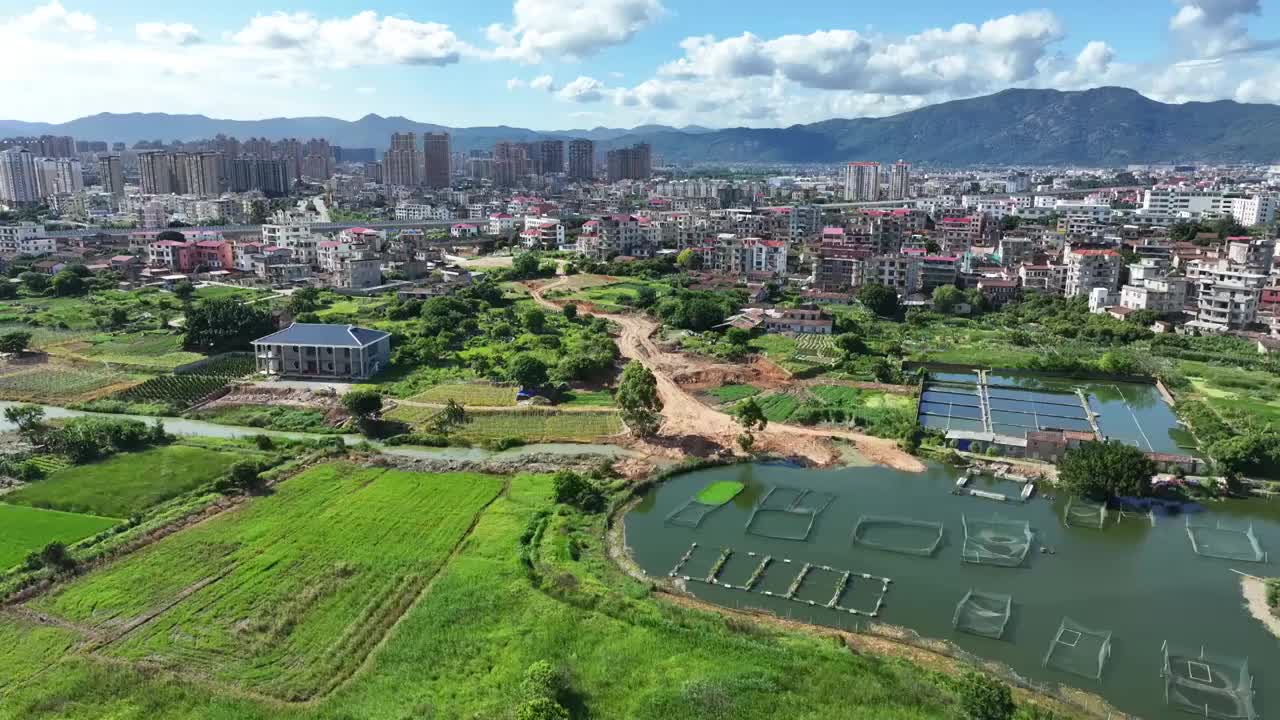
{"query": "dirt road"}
(690, 427)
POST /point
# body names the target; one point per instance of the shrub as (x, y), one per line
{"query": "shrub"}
(264, 442)
(984, 698)
(578, 491)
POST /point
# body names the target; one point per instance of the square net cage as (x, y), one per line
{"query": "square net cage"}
(1079, 650)
(1085, 513)
(898, 534)
(996, 541)
(690, 514)
(1207, 684)
(982, 613)
(788, 513)
(1226, 541)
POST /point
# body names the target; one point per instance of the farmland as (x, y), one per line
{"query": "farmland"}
(462, 650)
(126, 483)
(469, 394)
(145, 350)
(27, 529)
(172, 393)
(268, 417)
(288, 595)
(532, 425)
(60, 383)
(733, 392)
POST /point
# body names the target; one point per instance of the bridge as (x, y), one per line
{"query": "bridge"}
(257, 229)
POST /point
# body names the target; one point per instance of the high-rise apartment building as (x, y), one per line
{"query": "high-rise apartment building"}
(633, 163)
(582, 160)
(198, 174)
(510, 163)
(254, 173)
(18, 184)
(435, 160)
(111, 174)
(551, 156)
(862, 181)
(58, 176)
(317, 159)
(900, 181)
(156, 173)
(401, 164)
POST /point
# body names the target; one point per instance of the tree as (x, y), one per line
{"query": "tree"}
(645, 297)
(453, 414)
(171, 236)
(541, 708)
(570, 311)
(750, 415)
(525, 265)
(946, 298)
(689, 260)
(637, 396)
(577, 490)
(984, 698)
(28, 419)
(737, 338)
(14, 341)
(1010, 222)
(1102, 470)
(528, 371)
(364, 405)
(534, 320)
(34, 282)
(223, 324)
(304, 300)
(184, 291)
(7, 290)
(879, 299)
(54, 555)
(243, 474)
(67, 283)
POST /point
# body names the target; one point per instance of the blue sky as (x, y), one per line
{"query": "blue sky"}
(552, 64)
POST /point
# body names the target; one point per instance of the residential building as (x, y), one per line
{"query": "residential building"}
(998, 291)
(1046, 278)
(501, 224)
(436, 160)
(1015, 251)
(900, 181)
(359, 272)
(296, 237)
(1089, 268)
(938, 270)
(1163, 295)
(582, 160)
(1227, 306)
(862, 181)
(1257, 210)
(633, 163)
(900, 272)
(802, 320)
(1253, 254)
(18, 183)
(960, 232)
(618, 235)
(464, 230)
(317, 350)
(401, 164)
(25, 239)
(550, 156)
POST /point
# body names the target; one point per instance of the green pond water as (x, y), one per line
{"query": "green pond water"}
(1142, 582)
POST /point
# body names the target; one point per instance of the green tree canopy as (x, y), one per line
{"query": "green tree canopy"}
(14, 341)
(363, 404)
(946, 298)
(67, 283)
(750, 415)
(528, 371)
(1102, 470)
(637, 395)
(984, 698)
(879, 299)
(224, 324)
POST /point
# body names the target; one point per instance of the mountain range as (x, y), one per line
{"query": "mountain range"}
(1100, 127)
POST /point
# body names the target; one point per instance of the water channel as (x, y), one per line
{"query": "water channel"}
(1140, 580)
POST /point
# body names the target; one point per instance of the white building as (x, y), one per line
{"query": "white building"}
(862, 181)
(419, 212)
(1164, 296)
(18, 182)
(501, 224)
(296, 237)
(1088, 269)
(900, 272)
(25, 239)
(1256, 210)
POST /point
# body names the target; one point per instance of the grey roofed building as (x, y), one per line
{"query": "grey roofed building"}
(320, 350)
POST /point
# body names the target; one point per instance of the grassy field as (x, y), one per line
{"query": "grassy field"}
(150, 350)
(27, 529)
(125, 483)
(279, 417)
(732, 392)
(532, 425)
(587, 398)
(615, 296)
(210, 292)
(61, 383)
(469, 394)
(288, 594)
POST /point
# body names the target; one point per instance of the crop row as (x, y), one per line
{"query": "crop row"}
(178, 390)
(227, 366)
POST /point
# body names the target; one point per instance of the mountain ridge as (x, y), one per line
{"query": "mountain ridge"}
(1100, 126)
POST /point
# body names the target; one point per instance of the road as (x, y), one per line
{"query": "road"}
(688, 423)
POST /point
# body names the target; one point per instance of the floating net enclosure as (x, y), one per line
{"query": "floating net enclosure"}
(1226, 542)
(1084, 513)
(1079, 650)
(982, 613)
(691, 513)
(996, 541)
(788, 513)
(1207, 684)
(900, 535)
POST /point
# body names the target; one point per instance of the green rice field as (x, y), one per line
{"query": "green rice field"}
(287, 595)
(28, 529)
(469, 395)
(733, 392)
(126, 483)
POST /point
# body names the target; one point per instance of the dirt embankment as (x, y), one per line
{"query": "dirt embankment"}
(301, 398)
(691, 428)
(1255, 598)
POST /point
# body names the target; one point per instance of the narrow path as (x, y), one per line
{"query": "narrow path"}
(687, 420)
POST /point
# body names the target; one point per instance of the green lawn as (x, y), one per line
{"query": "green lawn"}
(732, 392)
(286, 595)
(469, 394)
(721, 492)
(125, 483)
(27, 529)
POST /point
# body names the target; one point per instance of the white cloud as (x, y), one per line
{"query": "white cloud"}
(167, 33)
(583, 89)
(362, 39)
(543, 82)
(542, 29)
(50, 18)
(1214, 27)
(515, 84)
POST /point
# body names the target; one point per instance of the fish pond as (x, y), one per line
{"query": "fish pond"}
(1060, 592)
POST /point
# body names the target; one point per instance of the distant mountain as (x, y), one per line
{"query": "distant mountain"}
(1104, 126)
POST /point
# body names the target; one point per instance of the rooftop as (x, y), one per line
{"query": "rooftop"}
(324, 334)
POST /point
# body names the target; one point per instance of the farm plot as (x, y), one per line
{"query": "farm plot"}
(179, 392)
(469, 395)
(159, 351)
(778, 407)
(126, 483)
(28, 649)
(226, 366)
(287, 595)
(535, 425)
(27, 529)
(733, 392)
(59, 384)
(815, 348)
